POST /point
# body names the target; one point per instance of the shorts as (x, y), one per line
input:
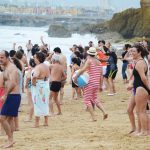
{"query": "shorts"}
(74, 85)
(55, 86)
(111, 73)
(11, 105)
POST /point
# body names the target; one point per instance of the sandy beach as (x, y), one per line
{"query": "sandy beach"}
(74, 131)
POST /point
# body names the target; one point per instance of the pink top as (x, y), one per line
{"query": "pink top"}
(95, 73)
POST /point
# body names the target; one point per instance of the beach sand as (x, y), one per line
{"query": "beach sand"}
(74, 131)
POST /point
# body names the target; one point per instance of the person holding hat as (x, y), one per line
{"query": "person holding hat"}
(95, 77)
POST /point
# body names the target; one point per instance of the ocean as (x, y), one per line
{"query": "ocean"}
(21, 35)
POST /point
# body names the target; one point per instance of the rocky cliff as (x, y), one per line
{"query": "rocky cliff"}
(129, 23)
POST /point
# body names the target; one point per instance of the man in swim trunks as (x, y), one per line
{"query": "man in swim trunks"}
(57, 76)
(11, 98)
(63, 62)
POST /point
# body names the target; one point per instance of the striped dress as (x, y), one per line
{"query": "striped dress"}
(91, 90)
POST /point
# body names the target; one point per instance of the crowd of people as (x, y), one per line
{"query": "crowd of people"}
(42, 76)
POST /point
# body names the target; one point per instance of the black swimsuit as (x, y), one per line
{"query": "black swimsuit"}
(137, 80)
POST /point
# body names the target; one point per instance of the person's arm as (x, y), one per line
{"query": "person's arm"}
(64, 76)
(42, 40)
(13, 74)
(28, 78)
(140, 67)
(101, 79)
(35, 76)
(14, 46)
(83, 69)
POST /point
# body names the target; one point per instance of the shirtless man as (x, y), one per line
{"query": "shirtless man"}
(63, 62)
(57, 76)
(11, 98)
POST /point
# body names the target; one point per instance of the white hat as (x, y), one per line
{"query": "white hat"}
(92, 51)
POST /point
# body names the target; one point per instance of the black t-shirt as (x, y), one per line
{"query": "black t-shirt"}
(123, 54)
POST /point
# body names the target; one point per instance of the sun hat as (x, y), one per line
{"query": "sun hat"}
(92, 51)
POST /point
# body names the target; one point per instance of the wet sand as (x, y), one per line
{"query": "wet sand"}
(74, 131)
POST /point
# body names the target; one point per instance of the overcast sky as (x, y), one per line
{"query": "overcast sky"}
(118, 4)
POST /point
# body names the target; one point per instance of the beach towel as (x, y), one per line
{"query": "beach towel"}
(40, 97)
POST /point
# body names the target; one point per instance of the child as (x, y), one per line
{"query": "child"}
(2, 89)
(75, 88)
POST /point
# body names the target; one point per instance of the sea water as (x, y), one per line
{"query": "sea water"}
(21, 35)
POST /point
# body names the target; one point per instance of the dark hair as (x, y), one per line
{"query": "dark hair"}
(32, 63)
(12, 53)
(77, 54)
(57, 50)
(35, 49)
(45, 52)
(80, 48)
(142, 49)
(101, 41)
(6, 53)
(106, 49)
(19, 54)
(74, 60)
(22, 51)
(17, 63)
(126, 46)
(40, 56)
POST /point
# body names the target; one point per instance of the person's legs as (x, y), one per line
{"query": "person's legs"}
(8, 130)
(78, 93)
(98, 104)
(55, 96)
(141, 103)
(91, 111)
(51, 104)
(45, 120)
(37, 120)
(73, 93)
(111, 86)
(30, 105)
(130, 109)
(16, 123)
(61, 95)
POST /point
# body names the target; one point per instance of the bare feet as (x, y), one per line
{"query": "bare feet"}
(131, 132)
(35, 126)
(28, 120)
(59, 113)
(9, 144)
(16, 129)
(94, 120)
(142, 134)
(105, 116)
(45, 125)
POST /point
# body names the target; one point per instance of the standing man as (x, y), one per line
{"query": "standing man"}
(29, 47)
(63, 62)
(12, 97)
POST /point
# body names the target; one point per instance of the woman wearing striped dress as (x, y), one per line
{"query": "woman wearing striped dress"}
(94, 69)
